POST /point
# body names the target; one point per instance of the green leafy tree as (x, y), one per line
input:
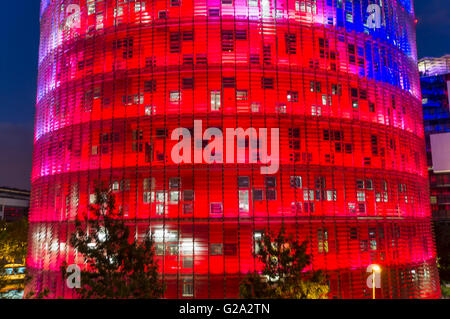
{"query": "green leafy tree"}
(117, 267)
(13, 250)
(283, 277)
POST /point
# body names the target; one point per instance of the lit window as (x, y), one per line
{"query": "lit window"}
(292, 96)
(256, 107)
(296, 181)
(215, 101)
(188, 262)
(175, 96)
(308, 195)
(243, 201)
(216, 249)
(322, 240)
(361, 196)
(174, 197)
(188, 288)
(331, 195)
(241, 95)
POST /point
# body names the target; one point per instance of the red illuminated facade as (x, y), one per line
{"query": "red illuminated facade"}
(352, 180)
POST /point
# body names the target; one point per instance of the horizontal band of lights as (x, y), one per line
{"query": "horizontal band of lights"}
(117, 79)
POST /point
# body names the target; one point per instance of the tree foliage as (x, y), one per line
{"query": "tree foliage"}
(442, 231)
(13, 250)
(283, 275)
(117, 267)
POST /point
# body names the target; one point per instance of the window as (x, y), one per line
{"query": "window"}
(188, 195)
(216, 209)
(241, 95)
(147, 197)
(241, 34)
(296, 181)
(271, 194)
(230, 249)
(359, 184)
(244, 201)
(174, 183)
(308, 195)
(315, 86)
(331, 195)
(174, 197)
(291, 43)
(353, 233)
(187, 83)
(336, 89)
(188, 35)
(292, 96)
(216, 249)
(227, 40)
(257, 238)
(150, 110)
(159, 249)
(254, 58)
(188, 209)
(175, 42)
(214, 12)
(258, 195)
(322, 240)
(267, 83)
(256, 107)
(361, 196)
(175, 96)
(309, 207)
(173, 249)
(188, 288)
(115, 186)
(188, 262)
(215, 100)
(161, 133)
(281, 108)
(188, 59)
(150, 86)
(243, 182)
(271, 181)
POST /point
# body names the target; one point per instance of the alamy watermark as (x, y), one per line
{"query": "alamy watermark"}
(250, 139)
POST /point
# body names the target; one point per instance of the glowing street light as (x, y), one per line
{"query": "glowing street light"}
(375, 269)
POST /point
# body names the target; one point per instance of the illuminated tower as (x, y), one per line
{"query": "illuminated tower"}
(118, 77)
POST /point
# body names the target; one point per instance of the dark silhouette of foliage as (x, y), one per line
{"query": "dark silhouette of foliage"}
(116, 266)
(283, 275)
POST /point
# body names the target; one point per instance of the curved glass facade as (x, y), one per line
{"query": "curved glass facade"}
(117, 77)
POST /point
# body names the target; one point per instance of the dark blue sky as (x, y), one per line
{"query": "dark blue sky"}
(19, 25)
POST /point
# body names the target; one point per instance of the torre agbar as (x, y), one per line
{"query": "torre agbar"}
(336, 79)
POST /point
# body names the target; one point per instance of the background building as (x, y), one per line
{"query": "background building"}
(352, 180)
(14, 204)
(435, 83)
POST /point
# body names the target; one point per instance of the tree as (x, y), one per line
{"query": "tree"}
(283, 277)
(117, 268)
(442, 231)
(13, 250)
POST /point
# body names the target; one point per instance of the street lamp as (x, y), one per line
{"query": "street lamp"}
(375, 269)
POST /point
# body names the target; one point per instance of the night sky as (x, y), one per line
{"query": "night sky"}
(18, 73)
